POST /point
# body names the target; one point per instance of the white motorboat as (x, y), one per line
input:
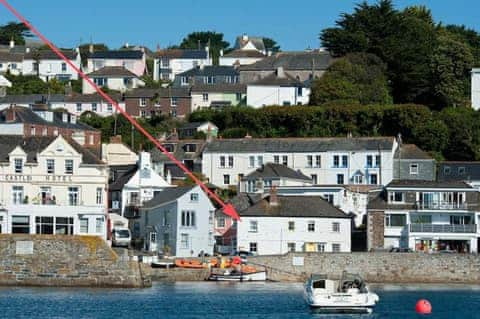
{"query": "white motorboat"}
(228, 275)
(348, 295)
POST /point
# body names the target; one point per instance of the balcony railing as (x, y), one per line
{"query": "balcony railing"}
(445, 228)
(440, 205)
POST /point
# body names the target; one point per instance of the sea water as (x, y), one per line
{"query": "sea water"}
(225, 301)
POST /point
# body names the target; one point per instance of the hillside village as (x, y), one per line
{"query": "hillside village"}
(311, 193)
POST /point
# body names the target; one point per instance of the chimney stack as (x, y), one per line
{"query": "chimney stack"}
(12, 43)
(90, 48)
(117, 139)
(245, 37)
(274, 196)
(280, 72)
(10, 116)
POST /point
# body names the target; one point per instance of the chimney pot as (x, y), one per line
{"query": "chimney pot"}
(273, 196)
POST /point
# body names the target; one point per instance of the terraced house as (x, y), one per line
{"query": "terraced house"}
(51, 185)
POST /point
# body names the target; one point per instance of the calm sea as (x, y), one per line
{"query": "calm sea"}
(224, 300)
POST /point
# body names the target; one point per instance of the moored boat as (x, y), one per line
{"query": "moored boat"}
(189, 263)
(238, 276)
(348, 295)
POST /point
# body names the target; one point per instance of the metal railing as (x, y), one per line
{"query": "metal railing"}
(445, 228)
(441, 205)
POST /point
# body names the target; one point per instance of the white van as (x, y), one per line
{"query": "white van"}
(121, 236)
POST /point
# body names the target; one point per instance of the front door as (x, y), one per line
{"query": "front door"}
(310, 247)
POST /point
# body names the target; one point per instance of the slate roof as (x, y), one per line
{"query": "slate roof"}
(244, 54)
(27, 116)
(411, 151)
(181, 54)
(427, 184)
(256, 41)
(192, 125)
(161, 92)
(123, 174)
(34, 145)
(243, 201)
(50, 55)
(306, 60)
(294, 206)
(452, 171)
(300, 145)
(271, 170)
(210, 70)
(275, 80)
(112, 71)
(220, 88)
(27, 99)
(10, 57)
(117, 54)
(95, 97)
(178, 151)
(167, 195)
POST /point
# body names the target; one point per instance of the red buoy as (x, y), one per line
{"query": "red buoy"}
(423, 307)
(236, 260)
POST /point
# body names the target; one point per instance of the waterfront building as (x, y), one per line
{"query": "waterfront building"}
(424, 216)
(177, 221)
(277, 224)
(327, 161)
(51, 185)
(170, 62)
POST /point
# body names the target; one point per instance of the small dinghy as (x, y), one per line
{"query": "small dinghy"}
(245, 273)
(348, 295)
(162, 264)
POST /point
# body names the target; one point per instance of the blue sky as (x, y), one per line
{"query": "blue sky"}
(294, 24)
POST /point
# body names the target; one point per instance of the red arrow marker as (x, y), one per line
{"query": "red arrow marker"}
(228, 209)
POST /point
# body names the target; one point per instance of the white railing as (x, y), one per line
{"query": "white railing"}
(443, 228)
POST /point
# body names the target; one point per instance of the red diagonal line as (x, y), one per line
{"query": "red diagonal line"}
(228, 209)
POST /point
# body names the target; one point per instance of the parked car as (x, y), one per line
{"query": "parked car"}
(121, 237)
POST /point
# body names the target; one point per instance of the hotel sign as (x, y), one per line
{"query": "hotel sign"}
(47, 178)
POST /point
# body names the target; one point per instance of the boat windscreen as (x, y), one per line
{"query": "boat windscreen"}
(319, 284)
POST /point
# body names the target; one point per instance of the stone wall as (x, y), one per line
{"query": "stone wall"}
(375, 229)
(375, 267)
(53, 260)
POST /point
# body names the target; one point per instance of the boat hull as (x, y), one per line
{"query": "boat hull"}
(257, 276)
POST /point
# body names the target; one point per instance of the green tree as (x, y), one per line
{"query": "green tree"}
(202, 39)
(26, 84)
(403, 40)
(357, 77)
(451, 64)
(14, 31)
(271, 45)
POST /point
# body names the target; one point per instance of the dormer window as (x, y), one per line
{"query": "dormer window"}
(461, 170)
(190, 148)
(446, 170)
(169, 147)
(18, 163)
(32, 131)
(183, 80)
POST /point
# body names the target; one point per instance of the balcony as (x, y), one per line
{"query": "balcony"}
(439, 205)
(443, 228)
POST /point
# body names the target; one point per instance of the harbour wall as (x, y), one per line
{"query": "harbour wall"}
(80, 261)
(375, 267)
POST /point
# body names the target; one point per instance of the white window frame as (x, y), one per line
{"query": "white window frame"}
(414, 168)
(335, 227)
(253, 226)
(311, 229)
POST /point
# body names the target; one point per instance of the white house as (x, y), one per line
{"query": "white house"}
(328, 161)
(79, 103)
(178, 221)
(11, 62)
(168, 63)
(115, 78)
(136, 186)
(249, 43)
(132, 60)
(475, 88)
(279, 88)
(116, 153)
(279, 224)
(4, 84)
(50, 185)
(241, 57)
(427, 216)
(47, 65)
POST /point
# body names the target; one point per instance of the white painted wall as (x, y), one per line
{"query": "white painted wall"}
(88, 178)
(326, 173)
(114, 83)
(263, 95)
(49, 69)
(177, 66)
(14, 67)
(273, 235)
(229, 61)
(102, 108)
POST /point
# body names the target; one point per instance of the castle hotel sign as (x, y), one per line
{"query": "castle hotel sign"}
(29, 178)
